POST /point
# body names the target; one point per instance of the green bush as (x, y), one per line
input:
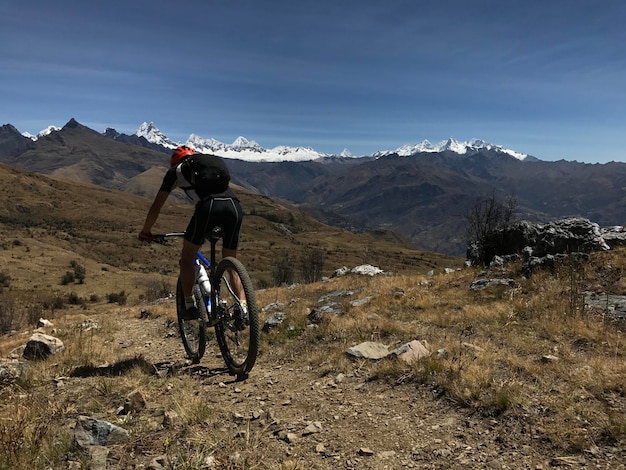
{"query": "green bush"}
(68, 278)
(77, 275)
(117, 298)
(79, 272)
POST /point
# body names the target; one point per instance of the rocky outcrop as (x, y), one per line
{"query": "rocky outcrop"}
(540, 245)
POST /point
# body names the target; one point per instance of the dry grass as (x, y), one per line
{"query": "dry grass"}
(530, 355)
(516, 353)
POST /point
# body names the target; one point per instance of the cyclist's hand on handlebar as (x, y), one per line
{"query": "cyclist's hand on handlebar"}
(146, 237)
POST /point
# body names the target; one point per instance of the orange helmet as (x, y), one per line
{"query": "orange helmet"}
(180, 153)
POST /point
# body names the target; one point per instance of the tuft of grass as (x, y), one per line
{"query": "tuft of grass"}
(512, 352)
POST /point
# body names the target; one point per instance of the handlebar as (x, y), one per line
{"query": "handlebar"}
(162, 237)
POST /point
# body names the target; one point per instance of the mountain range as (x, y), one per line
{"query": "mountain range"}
(420, 192)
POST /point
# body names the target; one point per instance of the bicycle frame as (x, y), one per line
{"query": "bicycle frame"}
(209, 264)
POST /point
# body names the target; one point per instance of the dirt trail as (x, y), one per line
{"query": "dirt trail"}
(292, 417)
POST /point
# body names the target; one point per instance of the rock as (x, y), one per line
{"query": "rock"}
(11, 371)
(44, 323)
(312, 428)
(273, 321)
(341, 272)
(359, 302)
(537, 241)
(549, 358)
(90, 325)
(41, 346)
(369, 350)
(480, 284)
(287, 436)
(315, 317)
(364, 270)
(98, 457)
(367, 270)
(612, 305)
(93, 432)
(273, 307)
(614, 236)
(327, 298)
(413, 351)
(135, 402)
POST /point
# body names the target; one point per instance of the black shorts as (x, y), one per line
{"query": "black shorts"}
(220, 211)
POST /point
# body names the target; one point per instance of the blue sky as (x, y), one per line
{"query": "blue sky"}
(546, 78)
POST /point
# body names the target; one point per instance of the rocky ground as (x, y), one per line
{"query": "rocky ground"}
(289, 416)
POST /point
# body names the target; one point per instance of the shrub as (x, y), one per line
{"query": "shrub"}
(282, 269)
(74, 299)
(158, 289)
(7, 316)
(117, 298)
(53, 304)
(5, 281)
(79, 272)
(312, 265)
(484, 218)
(67, 278)
(77, 275)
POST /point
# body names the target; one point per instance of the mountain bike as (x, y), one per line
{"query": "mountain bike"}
(225, 304)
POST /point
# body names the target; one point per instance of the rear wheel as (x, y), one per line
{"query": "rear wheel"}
(237, 332)
(192, 332)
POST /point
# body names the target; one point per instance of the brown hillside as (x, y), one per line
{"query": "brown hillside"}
(101, 225)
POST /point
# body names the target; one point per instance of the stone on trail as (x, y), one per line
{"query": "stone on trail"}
(369, 350)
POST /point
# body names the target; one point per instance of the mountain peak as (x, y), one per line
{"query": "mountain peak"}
(452, 145)
(71, 124)
(152, 134)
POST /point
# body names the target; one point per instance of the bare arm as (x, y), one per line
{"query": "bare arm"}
(154, 211)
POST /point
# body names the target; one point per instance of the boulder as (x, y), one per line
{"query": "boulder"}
(537, 243)
(40, 346)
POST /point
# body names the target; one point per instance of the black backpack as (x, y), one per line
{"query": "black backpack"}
(206, 174)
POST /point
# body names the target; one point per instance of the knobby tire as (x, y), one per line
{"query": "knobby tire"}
(238, 340)
(192, 332)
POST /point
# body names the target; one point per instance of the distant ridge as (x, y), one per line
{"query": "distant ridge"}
(420, 192)
(250, 150)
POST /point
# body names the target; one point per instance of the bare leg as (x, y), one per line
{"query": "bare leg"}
(187, 268)
(234, 279)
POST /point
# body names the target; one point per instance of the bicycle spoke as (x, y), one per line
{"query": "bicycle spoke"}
(238, 333)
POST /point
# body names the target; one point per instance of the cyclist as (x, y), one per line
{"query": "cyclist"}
(205, 179)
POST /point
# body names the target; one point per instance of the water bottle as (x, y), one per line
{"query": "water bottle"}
(204, 283)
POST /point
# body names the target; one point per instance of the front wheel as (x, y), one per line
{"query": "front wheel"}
(237, 332)
(192, 332)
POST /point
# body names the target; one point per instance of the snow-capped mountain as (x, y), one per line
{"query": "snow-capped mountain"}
(249, 150)
(241, 148)
(452, 145)
(47, 131)
(244, 149)
(152, 134)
